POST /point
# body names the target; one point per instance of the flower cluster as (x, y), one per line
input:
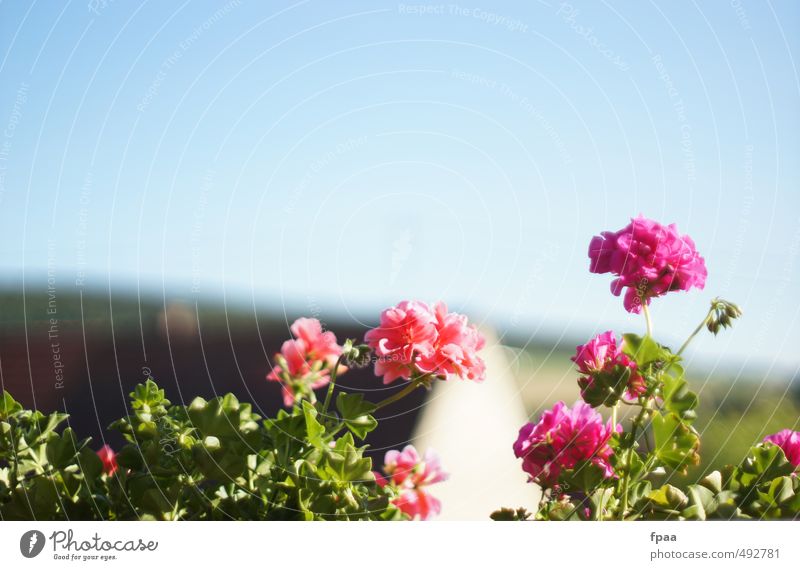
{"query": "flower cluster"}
(414, 340)
(608, 373)
(562, 439)
(789, 442)
(305, 361)
(409, 475)
(649, 259)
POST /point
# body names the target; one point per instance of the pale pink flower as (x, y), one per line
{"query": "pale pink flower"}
(789, 442)
(319, 344)
(649, 260)
(109, 459)
(407, 464)
(413, 340)
(410, 475)
(304, 362)
(561, 439)
(603, 355)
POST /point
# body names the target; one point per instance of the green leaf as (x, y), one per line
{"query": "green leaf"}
(668, 497)
(355, 412)
(53, 421)
(677, 396)
(8, 406)
(90, 464)
(61, 450)
(130, 457)
(148, 398)
(314, 429)
(644, 350)
(676, 442)
(702, 503)
(764, 462)
(712, 481)
(347, 463)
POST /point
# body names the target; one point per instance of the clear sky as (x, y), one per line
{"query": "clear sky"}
(340, 156)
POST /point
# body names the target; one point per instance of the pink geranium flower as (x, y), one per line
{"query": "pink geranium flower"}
(410, 475)
(406, 332)
(456, 348)
(418, 504)
(304, 362)
(603, 355)
(649, 260)
(319, 344)
(789, 442)
(109, 459)
(413, 340)
(561, 439)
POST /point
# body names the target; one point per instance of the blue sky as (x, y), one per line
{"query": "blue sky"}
(337, 157)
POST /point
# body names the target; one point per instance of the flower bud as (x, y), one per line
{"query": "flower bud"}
(722, 315)
(356, 356)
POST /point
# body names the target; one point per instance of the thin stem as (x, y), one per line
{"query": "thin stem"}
(614, 409)
(332, 383)
(647, 320)
(626, 478)
(412, 385)
(542, 500)
(695, 331)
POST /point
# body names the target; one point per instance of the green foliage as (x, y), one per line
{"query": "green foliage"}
(645, 351)
(761, 487)
(46, 472)
(212, 459)
(676, 442)
(355, 413)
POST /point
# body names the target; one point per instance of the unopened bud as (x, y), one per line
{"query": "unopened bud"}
(722, 315)
(356, 355)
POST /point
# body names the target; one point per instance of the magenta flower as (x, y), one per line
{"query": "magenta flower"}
(563, 438)
(413, 340)
(304, 362)
(410, 475)
(649, 259)
(789, 442)
(602, 359)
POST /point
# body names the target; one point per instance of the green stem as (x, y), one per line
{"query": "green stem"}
(331, 384)
(636, 424)
(412, 385)
(695, 331)
(648, 322)
(614, 409)
(542, 500)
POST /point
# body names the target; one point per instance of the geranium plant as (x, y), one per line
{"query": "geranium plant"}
(589, 468)
(217, 459)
